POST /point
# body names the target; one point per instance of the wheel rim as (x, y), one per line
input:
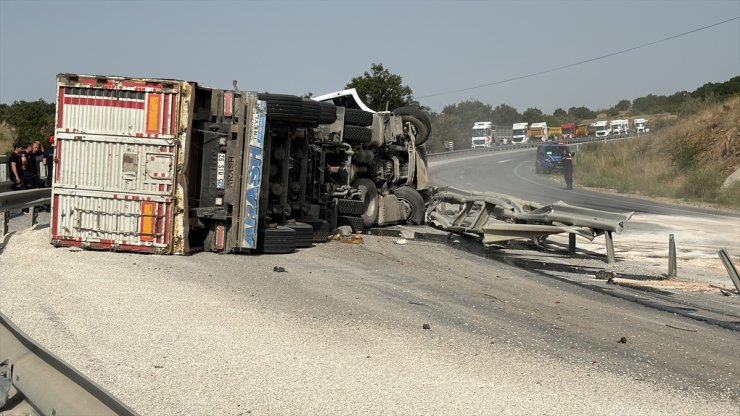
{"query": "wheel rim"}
(409, 207)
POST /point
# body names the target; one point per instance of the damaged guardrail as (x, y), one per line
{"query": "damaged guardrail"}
(499, 218)
(47, 383)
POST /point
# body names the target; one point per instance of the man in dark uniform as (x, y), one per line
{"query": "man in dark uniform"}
(16, 167)
(567, 161)
(48, 161)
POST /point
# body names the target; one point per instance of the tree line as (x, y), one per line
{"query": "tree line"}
(381, 89)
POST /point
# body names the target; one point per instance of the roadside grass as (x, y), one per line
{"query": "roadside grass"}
(688, 160)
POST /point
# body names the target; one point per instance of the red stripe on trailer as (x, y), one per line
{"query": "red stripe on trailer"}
(55, 216)
(60, 110)
(165, 112)
(173, 112)
(158, 224)
(107, 241)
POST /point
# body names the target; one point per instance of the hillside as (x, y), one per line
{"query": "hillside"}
(687, 159)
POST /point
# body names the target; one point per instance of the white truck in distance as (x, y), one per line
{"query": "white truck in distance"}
(482, 135)
(601, 128)
(642, 125)
(619, 127)
(520, 134)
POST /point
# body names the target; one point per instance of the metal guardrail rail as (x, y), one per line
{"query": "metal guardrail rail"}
(47, 383)
(11, 200)
(499, 218)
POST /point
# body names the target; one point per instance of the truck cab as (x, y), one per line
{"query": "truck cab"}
(601, 128)
(568, 131)
(482, 135)
(520, 133)
(619, 127)
(538, 132)
(642, 125)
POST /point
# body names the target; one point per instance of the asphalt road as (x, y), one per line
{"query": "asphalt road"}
(512, 173)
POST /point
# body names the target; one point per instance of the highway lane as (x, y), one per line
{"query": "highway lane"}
(512, 173)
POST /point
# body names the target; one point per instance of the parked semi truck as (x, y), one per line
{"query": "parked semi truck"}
(642, 125)
(538, 132)
(619, 127)
(520, 133)
(582, 130)
(554, 133)
(601, 128)
(482, 135)
(172, 167)
(568, 131)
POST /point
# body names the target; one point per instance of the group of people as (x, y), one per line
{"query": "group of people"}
(24, 165)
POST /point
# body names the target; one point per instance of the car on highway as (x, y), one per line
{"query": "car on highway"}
(549, 156)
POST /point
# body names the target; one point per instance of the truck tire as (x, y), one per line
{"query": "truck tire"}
(303, 234)
(356, 117)
(282, 107)
(418, 119)
(276, 240)
(350, 207)
(369, 195)
(357, 223)
(328, 113)
(414, 203)
(357, 135)
(321, 229)
(311, 112)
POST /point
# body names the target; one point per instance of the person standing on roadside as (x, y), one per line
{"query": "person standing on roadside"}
(48, 161)
(16, 167)
(568, 168)
(29, 176)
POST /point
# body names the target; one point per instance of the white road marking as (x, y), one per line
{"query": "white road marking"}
(505, 160)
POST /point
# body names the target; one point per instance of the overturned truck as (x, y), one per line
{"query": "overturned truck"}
(172, 167)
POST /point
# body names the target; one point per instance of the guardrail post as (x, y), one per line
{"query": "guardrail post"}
(731, 270)
(671, 256)
(609, 247)
(34, 214)
(4, 218)
(571, 243)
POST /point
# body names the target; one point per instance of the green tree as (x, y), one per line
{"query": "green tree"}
(623, 105)
(455, 122)
(32, 120)
(532, 115)
(505, 115)
(580, 113)
(380, 89)
(559, 112)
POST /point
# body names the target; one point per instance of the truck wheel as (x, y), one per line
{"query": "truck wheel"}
(414, 204)
(282, 107)
(357, 135)
(276, 240)
(357, 223)
(311, 112)
(303, 233)
(328, 113)
(321, 229)
(369, 196)
(418, 119)
(356, 117)
(350, 207)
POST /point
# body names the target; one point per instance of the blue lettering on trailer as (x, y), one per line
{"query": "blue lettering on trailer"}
(254, 176)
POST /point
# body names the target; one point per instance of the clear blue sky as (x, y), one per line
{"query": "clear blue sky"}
(318, 46)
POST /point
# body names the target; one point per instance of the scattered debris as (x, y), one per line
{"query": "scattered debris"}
(158, 366)
(426, 326)
(344, 231)
(680, 329)
(279, 269)
(622, 340)
(725, 292)
(455, 242)
(354, 239)
(402, 241)
(606, 275)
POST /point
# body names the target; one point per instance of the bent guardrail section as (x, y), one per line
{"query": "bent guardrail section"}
(51, 386)
(499, 218)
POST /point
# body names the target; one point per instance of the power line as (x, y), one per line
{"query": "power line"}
(579, 63)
